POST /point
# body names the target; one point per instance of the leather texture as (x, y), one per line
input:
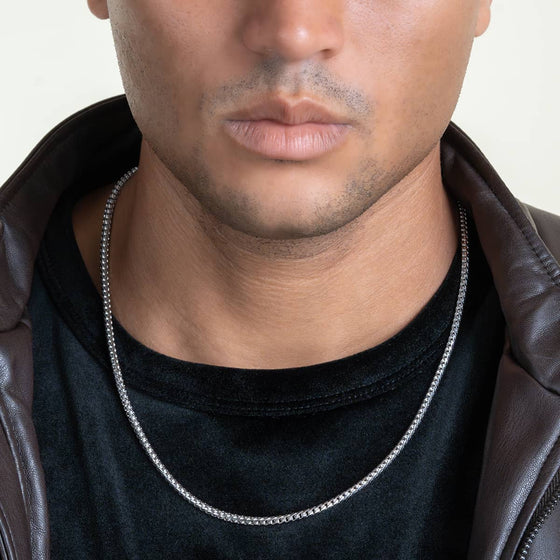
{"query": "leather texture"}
(522, 451)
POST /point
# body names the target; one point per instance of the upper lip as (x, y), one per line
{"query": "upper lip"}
(286, 112)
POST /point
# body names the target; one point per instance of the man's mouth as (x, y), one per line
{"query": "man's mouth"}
(278, 129)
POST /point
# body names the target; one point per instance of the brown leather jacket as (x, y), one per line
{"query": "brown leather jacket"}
(517, 513)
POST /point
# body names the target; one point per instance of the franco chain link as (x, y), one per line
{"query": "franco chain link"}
(296, 515)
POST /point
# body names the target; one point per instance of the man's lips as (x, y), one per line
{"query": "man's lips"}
(277, 140)
(278, 129)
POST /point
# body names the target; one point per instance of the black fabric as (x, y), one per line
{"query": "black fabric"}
(257, 442)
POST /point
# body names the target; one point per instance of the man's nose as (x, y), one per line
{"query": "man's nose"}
(294, 29)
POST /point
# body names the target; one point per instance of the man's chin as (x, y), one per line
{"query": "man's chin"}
(269, 226)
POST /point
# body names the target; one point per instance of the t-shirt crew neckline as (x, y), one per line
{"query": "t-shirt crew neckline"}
(225, 390)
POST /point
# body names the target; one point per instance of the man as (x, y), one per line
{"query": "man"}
(312, 323)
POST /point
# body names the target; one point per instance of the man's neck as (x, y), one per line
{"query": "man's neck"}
(191, 288)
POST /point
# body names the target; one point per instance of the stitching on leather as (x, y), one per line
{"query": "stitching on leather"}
(530, 242)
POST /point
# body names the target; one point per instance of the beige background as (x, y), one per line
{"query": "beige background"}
(55, 58)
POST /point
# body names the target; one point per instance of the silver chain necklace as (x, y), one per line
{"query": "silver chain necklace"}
(288, 517)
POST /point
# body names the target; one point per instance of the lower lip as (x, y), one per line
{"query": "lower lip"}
(297, 142)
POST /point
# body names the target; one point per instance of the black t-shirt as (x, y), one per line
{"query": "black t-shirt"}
(258, 442)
